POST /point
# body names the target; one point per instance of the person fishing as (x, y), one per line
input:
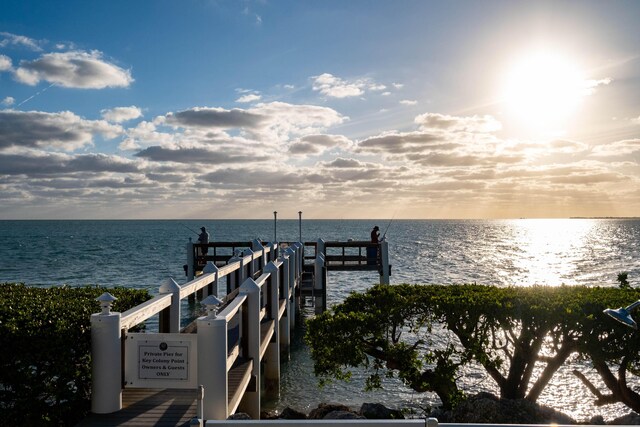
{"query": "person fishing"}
(375, 234)
(203, 238)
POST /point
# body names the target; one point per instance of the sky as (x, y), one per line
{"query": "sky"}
(339, 109)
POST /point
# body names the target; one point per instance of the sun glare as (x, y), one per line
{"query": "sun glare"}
(543, 90)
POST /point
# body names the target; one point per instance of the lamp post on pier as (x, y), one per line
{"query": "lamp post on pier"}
(300, 225)
(275, 226)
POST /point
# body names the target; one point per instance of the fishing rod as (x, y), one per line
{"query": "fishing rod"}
(388, 225)
(190, 229)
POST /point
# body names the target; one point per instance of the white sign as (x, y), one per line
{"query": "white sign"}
(161, 360)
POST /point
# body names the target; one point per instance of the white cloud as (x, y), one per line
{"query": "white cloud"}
(251, 97)
(8, 101)
(335, 87)
(64, 130)
(437, 121)
(121, 114)
(75, 69)
(8, 39)
(398, 85)
(408, 102)
(315, 144)
(5, 63)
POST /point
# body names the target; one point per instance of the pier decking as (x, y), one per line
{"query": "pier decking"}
(225, 361)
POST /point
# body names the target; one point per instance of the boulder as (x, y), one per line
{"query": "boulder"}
(324, 408)
(377, 411)
(291, 414)
(343, 415)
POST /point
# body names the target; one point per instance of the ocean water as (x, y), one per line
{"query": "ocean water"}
(523, 252)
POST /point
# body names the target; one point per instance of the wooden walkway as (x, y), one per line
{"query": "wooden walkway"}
(149, 407)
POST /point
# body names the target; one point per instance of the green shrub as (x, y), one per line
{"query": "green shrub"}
(45, 337)
(512, 332)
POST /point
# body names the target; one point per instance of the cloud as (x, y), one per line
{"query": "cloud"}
(74, 69)
(198, 155)
(63, 130)
(408, 102)
(315, 144)
(121, 114)
(204, 117)
(5, 63)
(251, 97)
(436, 121)
(45, 164)
(621, 149)
(335, 87)
(9, 39)
(8, 101)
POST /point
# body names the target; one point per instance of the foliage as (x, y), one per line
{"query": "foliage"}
(623, 277)
(512, 332)
(46, 341)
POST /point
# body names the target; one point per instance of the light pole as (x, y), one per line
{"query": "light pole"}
(623, 314)
(275, 226)
(300, 225)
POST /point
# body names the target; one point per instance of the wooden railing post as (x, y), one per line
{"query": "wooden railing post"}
(106, 362)
(384, 261)
(234, 280)
(291, 270)
(250, 402)
(285, 324)
(191, 261)
(170, 317)
(212, 366)
(256, 246)
(212, 288)
(319, 289)
(272, 355)
(251, 267)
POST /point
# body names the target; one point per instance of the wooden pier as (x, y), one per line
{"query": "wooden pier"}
(228, 359)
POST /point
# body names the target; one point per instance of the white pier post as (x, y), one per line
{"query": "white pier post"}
(285, 324)
(320, 247)
(319, 284)
(250, 402)
(212, 365)
(256, 246)
(252, 264)
(191, 261)
(170, 286)
(106, 362)
(384, 260)
(236, 278)
(212, 288)
(291, 270)
(272, 355)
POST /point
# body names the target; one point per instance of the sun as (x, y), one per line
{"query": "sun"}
(542, 90)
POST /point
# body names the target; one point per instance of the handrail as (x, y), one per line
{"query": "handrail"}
(196, 284)
(233, 307)
(145, 310)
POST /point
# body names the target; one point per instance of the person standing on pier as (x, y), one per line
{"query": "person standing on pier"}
(203, 238)
(375, 235)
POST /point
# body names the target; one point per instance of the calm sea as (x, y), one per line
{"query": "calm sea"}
(524, 252)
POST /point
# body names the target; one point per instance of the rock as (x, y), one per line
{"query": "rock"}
(291, 414)
(377, 411)
(598, 420)
(487, 408)
(239, 416)
(324, 408)
(343, 415)
(629, 419)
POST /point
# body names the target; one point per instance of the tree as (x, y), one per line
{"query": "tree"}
(510, 331)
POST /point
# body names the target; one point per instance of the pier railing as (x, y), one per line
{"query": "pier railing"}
(233, 341)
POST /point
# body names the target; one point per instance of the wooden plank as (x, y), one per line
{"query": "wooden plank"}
(238, 379)
(149, 407)
(266, 332)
